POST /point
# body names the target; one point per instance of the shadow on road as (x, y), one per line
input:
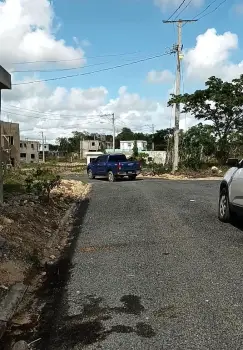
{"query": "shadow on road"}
(238, 223)
(104, 179)
(52, 291)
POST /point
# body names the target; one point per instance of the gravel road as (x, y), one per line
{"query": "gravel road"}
(152, 268)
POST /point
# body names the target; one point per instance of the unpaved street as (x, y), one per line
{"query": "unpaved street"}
(151, 268)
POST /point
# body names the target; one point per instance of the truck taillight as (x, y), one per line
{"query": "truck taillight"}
(119, 166)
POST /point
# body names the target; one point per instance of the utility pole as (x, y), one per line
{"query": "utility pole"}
(81, 148)
(152, 127)
(178, 49)
(112, 115)
(43, 147)
(114, 132)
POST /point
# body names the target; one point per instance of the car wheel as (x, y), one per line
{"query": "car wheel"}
(111, 177)
(131, 178)
(224, 214)
(90, 174)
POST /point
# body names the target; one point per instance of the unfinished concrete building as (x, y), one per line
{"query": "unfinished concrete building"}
(10, 139)
(29, 151)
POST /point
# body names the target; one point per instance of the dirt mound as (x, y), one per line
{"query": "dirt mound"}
(27, 225)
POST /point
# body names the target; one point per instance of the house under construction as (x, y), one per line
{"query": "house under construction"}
(10, 142)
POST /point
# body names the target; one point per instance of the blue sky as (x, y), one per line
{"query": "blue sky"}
(126, 26)
(128, 29)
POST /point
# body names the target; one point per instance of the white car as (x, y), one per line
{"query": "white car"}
(231, 191)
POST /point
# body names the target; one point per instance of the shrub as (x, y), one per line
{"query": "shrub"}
(135, 149)
(159, 169)
(142, 157)
(41, 181)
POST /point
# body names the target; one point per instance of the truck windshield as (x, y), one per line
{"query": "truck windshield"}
(118, 158)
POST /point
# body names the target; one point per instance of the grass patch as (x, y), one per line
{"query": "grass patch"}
(14, 181)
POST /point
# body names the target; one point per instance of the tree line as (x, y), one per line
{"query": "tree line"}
(72, 144)
(218, 135)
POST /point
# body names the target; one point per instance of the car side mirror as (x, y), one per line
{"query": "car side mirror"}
(233, 162)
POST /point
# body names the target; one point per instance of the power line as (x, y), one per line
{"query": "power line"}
(59, 69)
(206, 8)
(178, 8)
(184, 8)
(93, 72)
(45, 113)
(215, 9)
(48, 113)
(76, 59)
(47, 118)
(81, 126)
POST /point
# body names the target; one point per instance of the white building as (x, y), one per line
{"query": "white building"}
(46, 147)
(127, 146)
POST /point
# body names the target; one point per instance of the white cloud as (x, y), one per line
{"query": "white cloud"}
(63, 110)
(159, 77)
(165, 4)
(211, 56)
(27, 34)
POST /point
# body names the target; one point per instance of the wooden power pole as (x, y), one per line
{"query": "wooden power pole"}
(113, 133)
(112, 115)
(178, 49)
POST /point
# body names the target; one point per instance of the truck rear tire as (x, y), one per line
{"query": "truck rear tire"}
(111, 176)
(132, 177)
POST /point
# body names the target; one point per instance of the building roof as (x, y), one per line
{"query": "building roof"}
(5, 79)
(134, 140)
(29, 141)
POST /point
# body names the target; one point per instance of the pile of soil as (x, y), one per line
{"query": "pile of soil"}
(30, 230)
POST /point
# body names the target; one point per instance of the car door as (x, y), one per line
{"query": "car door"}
(94, 165)
(236, 187)
(101, 165)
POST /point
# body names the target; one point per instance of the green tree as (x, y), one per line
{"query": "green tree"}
(236, 144)
(102, 147)
(125, 135)
(160, 139)
(135, 149)
(64, 145)
(221, 104)
(196, 145)
(53, 147)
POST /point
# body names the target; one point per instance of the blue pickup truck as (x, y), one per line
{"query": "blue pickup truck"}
(113, 166)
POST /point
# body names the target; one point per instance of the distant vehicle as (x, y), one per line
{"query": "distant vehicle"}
(231, 191)
(113, 166)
